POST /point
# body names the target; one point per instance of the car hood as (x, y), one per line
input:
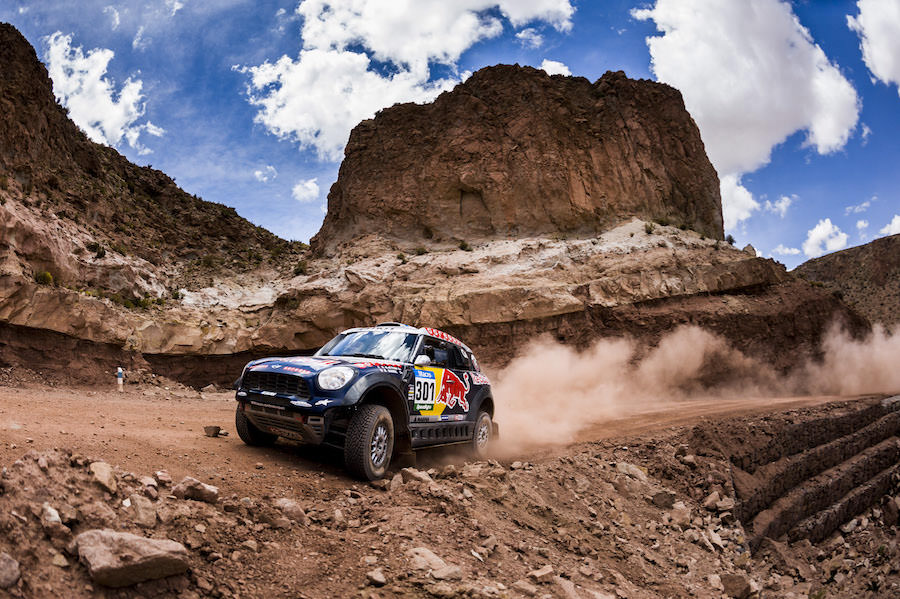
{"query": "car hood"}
(311, 365)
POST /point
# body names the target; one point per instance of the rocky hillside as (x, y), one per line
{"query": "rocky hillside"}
(514, 152)
(81, 209)
(867, 277)
(103, 263)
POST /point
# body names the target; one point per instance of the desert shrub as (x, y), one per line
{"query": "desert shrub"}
(43, 278)
(176, 294)
(208, 261)
(99, 250)
(118, 248)
(464, 246)
(301, 268)
(683, 227)
(421, 251)
(401, 258)
(4, 182)
(730, 239)
(664, 221)
(145, 302)
(648, 228)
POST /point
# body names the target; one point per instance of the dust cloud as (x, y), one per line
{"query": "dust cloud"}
(551, 392)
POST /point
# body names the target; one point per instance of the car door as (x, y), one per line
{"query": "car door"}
(440, 389)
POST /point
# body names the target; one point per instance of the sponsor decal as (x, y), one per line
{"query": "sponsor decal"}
(300, 403)
(311, 363)
(388, 367)
(444, 336)
(423, 389)
(437, 388)
(480, 379)
(304, 370)
(324, 402)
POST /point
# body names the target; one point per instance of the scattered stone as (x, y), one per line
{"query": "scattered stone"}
(736, 586)
(163, 477)
(251, 545)
(517, 466)
(59, 560)
(376, 577)
(542, 575)
(396, 482)
(104, 476)
(690, 461)
(890, 512)
(259, 465)
(632, 471)
(715, 581)
(210, 388)
(9, 571)
(448, 572)
(726, 505)
(143, 511)
(191, 488)
(525, 587)
(292, 510)
(422, 558)
(710, 502)
(119, 559)
(212, 430)
(411, 474)
(680, 515)
(664, 499)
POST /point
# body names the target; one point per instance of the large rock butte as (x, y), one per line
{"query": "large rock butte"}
(552, 180)
(514, 152)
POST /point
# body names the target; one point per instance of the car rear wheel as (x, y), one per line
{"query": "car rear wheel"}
(369, 442)
(484, 432)
(249, 434)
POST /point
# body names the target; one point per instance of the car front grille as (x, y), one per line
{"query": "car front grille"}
(276, 382)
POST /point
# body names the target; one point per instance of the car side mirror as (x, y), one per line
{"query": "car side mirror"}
(422, 360)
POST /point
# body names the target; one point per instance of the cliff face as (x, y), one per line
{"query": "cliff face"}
(514, 152)
(560, 163)
(88, 216)
(867, 277)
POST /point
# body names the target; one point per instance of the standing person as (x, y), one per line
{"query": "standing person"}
(120, 379)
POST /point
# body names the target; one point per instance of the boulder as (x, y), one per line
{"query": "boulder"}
(191, 488)
(9, 571)
(120, 559)
(104, 476)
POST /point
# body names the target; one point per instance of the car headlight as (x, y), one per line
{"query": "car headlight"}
(335, 378)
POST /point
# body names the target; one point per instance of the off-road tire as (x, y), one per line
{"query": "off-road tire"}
(482, 436)
(369, 442)
(249, 434)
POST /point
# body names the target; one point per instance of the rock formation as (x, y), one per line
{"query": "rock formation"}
(92, 247)
(514, 152)
(867, 277)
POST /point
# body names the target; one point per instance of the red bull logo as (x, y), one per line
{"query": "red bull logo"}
(454, 391)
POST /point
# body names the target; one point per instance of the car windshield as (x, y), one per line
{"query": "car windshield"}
(381, 345)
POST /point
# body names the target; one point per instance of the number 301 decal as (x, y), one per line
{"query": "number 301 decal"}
(423, 394)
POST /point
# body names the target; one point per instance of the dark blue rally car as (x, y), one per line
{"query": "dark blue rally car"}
(373, 392)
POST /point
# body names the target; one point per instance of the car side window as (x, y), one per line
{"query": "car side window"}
(460, 360)
(438, 351)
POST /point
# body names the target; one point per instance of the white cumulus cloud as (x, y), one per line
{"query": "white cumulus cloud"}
(780, 206)
(893, 227)
(264, 175)
(553, 67)
(781, 250)
(306, 191)
(878, 27)
(530, 38)
(174, 6)
(80, 84)
(859, 208)
(737, 201)
(360, 56)
(751, 75)
(824, 237)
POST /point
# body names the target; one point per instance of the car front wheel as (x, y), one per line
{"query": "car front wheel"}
(369, 442)
(484, 432)
(249, 434)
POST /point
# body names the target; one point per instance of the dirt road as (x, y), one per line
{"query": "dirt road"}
(147, 429)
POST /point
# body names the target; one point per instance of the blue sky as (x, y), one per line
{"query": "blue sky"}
(249, 102)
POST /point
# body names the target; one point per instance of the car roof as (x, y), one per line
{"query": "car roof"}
(398, 326)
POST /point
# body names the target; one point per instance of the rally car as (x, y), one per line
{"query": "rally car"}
(374, 392)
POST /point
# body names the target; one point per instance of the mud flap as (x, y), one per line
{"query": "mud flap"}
(496, 432)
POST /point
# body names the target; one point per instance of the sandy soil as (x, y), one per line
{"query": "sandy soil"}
(147, 429)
